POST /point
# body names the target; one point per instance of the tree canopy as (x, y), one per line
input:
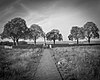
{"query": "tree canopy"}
(76, 33)
(14, 29)
(54, 35)
(35, 32)
(91, 31)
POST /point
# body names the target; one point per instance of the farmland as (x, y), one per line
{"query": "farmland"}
(19, 64)
(78, 62)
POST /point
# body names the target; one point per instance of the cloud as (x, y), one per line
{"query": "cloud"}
(35, 17)
(22, 8)
(51, 13)
(5, 3)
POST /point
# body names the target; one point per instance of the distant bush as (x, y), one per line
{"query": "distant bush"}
(6, 43)
(68, 45)
(22, 42)
(11, 43)
(28, 46)
(22, 46)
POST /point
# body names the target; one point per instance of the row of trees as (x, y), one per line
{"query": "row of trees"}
(88, 31)
(17, 29)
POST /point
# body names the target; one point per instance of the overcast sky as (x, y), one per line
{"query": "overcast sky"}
(51, 14)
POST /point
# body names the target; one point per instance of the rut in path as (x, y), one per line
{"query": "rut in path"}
(47, 69)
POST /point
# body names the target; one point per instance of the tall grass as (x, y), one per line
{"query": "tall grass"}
(78, 63)
(19, 64)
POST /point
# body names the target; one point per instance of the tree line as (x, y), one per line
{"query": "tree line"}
(88, 31)
(16, 29)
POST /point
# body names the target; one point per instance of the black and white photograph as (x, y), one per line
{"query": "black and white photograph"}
(49, 39)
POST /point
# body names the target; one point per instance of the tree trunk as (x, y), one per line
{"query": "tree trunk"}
(89, 40)
(54, 41)
(44, 41)
(14, 43)
(77, 41)
(17, 41)
(35, 41)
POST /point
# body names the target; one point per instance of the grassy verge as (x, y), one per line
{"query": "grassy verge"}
(78, 63)
(19, 64)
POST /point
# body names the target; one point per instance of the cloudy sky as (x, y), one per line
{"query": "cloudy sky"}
(51, 14)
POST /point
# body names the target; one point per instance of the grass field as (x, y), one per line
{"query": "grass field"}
(78, 62)
(19, 64)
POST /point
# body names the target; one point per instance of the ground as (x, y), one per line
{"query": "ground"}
(47, 69)
(19, 64)
(78, 62)
(60, 63)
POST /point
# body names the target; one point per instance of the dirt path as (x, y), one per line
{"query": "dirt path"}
(47, 69)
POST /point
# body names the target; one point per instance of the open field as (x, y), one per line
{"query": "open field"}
(78, 62)
(19, 64)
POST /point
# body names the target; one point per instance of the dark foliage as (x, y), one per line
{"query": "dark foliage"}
(6, 43)
(15, 29)
(54, 35)
(91, 31)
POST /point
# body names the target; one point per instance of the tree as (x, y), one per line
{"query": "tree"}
(14, 29)
(91, 31)
(35, 32)
(54, 35)
(70, 37)
(76, 33)
(44, 36)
